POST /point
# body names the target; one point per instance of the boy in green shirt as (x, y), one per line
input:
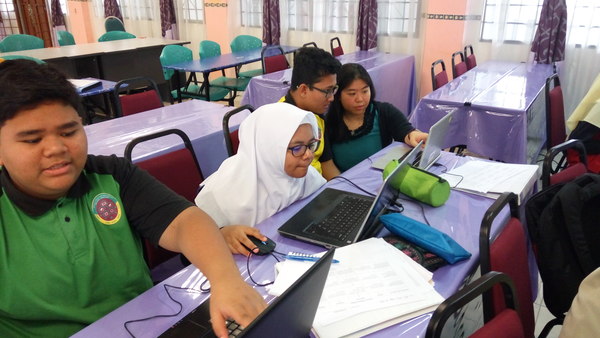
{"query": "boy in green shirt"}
(70, 223)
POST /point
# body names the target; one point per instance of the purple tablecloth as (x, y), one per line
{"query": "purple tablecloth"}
(201, 121)
(499, 110)
(392, 74)
(460, 217)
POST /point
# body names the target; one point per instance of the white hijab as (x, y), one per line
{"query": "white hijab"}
(252, 185)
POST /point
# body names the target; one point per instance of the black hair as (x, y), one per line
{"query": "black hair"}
(311, 64)
(25, 84)
(335, 116)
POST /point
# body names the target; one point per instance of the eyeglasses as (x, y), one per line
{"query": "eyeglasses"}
(328, 92)
(300, 149)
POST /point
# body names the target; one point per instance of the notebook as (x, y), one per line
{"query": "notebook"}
(293, 312)
(432, 151)
(336, 218)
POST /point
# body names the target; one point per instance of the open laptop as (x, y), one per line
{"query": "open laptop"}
(336, 218)
(430, 154)
(291, 313)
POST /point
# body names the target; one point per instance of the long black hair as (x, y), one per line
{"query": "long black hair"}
(334, 125)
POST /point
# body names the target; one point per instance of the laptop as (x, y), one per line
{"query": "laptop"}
(335, 218)
(430, 154)
(293, 312)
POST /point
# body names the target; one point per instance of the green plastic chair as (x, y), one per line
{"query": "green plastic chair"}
(115, 35)
(18, 42)
(210, 49)
(65, 38)
(112, 23)
(24, 57)
(246, 42)
(175, 54)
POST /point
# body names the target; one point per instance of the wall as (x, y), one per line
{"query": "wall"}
(79, 19)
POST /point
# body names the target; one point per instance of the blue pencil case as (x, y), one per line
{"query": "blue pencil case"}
(425, 236)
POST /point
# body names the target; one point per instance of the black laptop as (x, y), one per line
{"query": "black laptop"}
(293, 312)
(337, 218)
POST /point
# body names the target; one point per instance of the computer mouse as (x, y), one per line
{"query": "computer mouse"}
(264, 248)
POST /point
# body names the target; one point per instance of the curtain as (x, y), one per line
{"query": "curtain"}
(168, 20)
(549, 42)
(366, 32)
(111, 8)
(271, 27)
(58, 19)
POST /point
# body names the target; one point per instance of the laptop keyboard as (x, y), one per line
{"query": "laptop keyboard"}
(343, 219)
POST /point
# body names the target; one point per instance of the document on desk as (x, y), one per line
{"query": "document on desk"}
(374, 286)
(488, 178)
(83, 84)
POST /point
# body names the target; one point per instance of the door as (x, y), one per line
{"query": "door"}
(34, 19)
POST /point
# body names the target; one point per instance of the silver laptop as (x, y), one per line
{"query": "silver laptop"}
(432, 151)
(336, 218)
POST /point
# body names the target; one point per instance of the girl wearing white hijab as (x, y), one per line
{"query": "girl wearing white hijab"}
(270, 171)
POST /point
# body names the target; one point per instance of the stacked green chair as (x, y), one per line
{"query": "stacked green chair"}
(24, 57)
(18, 42)
(65, 38)
(112, 23)
(210, 49)
(115, 35)
(172, 54)
(242, 43)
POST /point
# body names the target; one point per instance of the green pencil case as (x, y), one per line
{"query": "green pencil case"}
(419, 184)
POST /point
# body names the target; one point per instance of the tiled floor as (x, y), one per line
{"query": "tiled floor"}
(542, 315)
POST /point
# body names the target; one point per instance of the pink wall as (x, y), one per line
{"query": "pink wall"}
(443, 36)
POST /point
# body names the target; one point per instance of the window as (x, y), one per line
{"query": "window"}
(193, 10)
(136, 9)
(585, 23)
(251, 13)
(322, 15)
(63, 6)
(397, 17)
(8, 22)
(518, 20)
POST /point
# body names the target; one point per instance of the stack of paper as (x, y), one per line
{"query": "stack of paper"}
(374, 286)
(491, 179)
(83, 84)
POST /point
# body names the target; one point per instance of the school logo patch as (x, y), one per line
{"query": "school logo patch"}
(106, 209)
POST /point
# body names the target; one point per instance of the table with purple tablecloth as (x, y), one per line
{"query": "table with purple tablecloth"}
(499, 110)
(202, 121)
(460, 218)
(393, 76)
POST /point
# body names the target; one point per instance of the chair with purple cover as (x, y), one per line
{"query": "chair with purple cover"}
(273, 59)
(555, 117)
(232, 140)
(136, 95)
(568, 173)
(179, 170)
(337, 50)
(470, 58)
(460, 68)
(506, 323)
(441, 78)
(507, 254)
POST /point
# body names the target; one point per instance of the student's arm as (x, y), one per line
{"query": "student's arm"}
(330, 170)
(194, 234)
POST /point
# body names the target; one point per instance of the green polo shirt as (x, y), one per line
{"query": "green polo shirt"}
(66, 263)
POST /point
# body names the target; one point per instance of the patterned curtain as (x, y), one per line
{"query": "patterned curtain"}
(111, 8)
(167, 16)
(58, 19)
(271, 23)
(549, 42)
(366, 32)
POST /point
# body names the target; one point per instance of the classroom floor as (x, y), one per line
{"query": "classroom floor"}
(542, 315)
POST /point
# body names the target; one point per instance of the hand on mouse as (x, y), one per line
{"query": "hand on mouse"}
(236, 237)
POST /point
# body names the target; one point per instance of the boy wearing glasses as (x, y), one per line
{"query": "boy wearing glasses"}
(70, 223)
(313, 86)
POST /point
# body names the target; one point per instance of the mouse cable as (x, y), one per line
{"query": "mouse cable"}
(354, 184)
(445, 171)
(420, 206)
(166, 286)
(250, 273)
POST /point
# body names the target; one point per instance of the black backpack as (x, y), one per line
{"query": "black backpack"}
(564, 227)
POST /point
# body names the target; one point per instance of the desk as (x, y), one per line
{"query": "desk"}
(460, 217)
(106, 89)
(499, 110)
(110, 60)
(201, 121)
(393, 76)
(215, 63)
